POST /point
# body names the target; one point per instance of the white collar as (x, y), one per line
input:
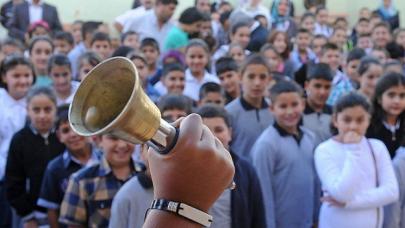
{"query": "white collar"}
(10, 101)
(190, 77)
(392, 128)
(40, 3)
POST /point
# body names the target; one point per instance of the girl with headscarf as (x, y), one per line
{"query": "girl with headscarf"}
(388, 13)
(281, 19)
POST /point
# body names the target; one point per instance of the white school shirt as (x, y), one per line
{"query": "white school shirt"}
(147, 25)
(127, 17)
(323, 30)
(192, 85)
(12, 119)
(348, 174)
(35, 11)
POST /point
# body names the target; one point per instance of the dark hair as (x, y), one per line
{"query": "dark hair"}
(384, 83)
(349, 100)
(340, 19)
(365, 64)
(363, 19)
(210, 87)
(272, 37)
(91, 57)
(37, 39)
(122, 51)
(306, 15)
(10, 62)
(137, 55)
(62, 115)
(58, 60)
(150, 42)
(319, 8)
(173, 101)
(224, 16)
(213, 111)
(382, 24)
(303, 30)
(235, 27)
(225, 64)
(42, 90)
(172, 67)
(392, 62)
(320, 71)
(198, 43)
(284, 86)
(66, 36)
(100, 36)
(13, 42)
(126, 34)
(395, 50)
(190, 15)
(90, 27)
(329, 46)
(355, 54)
(255, 59)
(166, 2)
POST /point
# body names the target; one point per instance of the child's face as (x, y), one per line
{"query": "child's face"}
(332, 58)
(61, 77)
(363, 27)
(151, 55)
(230, 81)
(368, 80)
(393, 100)
(18, 80)
(309, 24)
(72, 141)
(204, 28)
(317, 45)
(351, 70)
(196, 59)
(173, 114)
(174, 82)
(41, 111)
(40, 54)
(364, 43)
(77, 32)
(401, 39)
(204, 6)
(303, 41)
(10, 49)
(255, 80)
(238, 54)
(279, 43)
(241, 36)
(273, 59)
(381, 36)
(85, 68)
(339, 37)
(141, 68)
(322, 17)
(287, 109)
(213, 98)
(39, 31)
(318, 91)
(380, 55)
(132, 41)
(116, 151)
(365, 13)
(220, 130)
(102, 48)
(354, 119)
(283, 7)
(62, 47)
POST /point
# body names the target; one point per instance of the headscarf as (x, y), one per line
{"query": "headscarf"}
(387, 12)
(276, 18)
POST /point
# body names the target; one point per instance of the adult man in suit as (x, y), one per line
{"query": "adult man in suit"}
(29, 12)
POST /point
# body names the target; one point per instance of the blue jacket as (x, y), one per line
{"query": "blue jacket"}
(247, 208)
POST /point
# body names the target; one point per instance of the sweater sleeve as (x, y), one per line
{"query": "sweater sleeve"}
(16, 179)
(264, 162)
(340, 183)
(256, 196)
(387, 191)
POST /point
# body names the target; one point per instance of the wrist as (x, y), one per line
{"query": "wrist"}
(158, 218)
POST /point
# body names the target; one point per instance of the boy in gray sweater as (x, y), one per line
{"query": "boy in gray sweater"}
(283, 158)
(250, 113)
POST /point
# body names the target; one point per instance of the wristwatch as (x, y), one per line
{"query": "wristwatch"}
(183, 210)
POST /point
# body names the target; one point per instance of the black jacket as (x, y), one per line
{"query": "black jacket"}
(391, 141)
(27, 159)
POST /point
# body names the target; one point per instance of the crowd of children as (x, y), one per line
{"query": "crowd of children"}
(311, 110)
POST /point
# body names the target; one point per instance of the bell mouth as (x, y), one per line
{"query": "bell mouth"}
(99, 101)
